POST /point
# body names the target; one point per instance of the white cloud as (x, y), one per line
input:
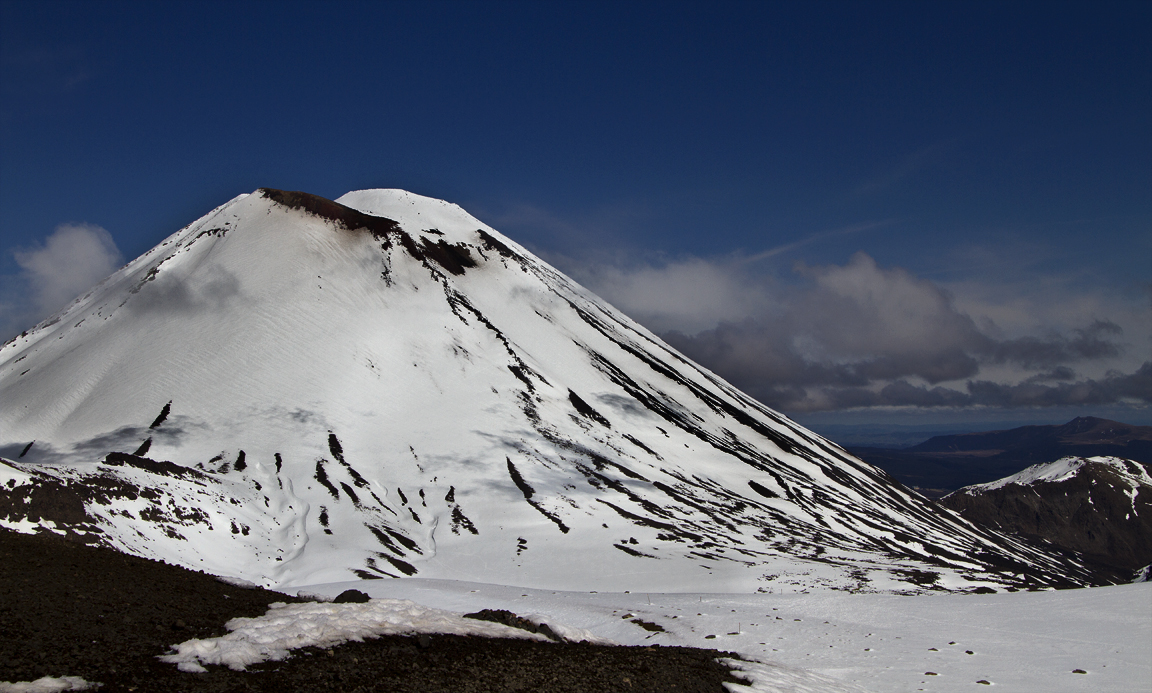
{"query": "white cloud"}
(71, 260)
(861, 310)
(862, 335)
(688, 296)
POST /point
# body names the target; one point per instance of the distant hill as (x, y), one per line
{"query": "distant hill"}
(943, 464)
(891, 436)
(1100, 507)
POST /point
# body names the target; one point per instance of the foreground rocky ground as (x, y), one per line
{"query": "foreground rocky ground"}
(72, 610)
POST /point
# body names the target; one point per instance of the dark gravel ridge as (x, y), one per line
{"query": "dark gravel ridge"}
(67, 609)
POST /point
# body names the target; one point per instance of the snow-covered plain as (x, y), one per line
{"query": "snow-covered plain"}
(1097, 639)
(834, 642)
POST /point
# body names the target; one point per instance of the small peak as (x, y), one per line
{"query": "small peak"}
(411, 210)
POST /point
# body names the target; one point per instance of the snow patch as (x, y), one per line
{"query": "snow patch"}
(47, 684)
(1052, 472)
(1061, 470)
(287, 627)
(569, 633)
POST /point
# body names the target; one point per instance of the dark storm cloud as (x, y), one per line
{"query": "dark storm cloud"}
(1092, 342)
(900, 393)
(763, 360)
(853, 326)
(1107, 390)
(1060, 373)
(767, 354)
(860, 335)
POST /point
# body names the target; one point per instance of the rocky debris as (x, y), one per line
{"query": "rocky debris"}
(648, 625)
(351, 597)
(510, 619)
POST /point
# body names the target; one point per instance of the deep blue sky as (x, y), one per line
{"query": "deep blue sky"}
(711, 168)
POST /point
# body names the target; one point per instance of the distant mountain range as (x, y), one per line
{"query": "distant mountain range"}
(943, 464)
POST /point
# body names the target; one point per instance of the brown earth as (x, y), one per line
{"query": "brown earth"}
(67, 609)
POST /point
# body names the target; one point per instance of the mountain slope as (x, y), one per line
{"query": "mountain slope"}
(1098, 506)
(295, 390)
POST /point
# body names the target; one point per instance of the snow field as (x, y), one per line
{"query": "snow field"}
(830, 641)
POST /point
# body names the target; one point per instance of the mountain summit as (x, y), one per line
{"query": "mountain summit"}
(293, 390)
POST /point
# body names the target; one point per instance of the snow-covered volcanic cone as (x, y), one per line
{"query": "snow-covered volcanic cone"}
(296, 391)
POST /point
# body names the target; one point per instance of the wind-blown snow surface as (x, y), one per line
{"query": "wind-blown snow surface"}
(291, 392)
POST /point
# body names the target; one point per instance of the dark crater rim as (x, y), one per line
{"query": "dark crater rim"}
(341, 215)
